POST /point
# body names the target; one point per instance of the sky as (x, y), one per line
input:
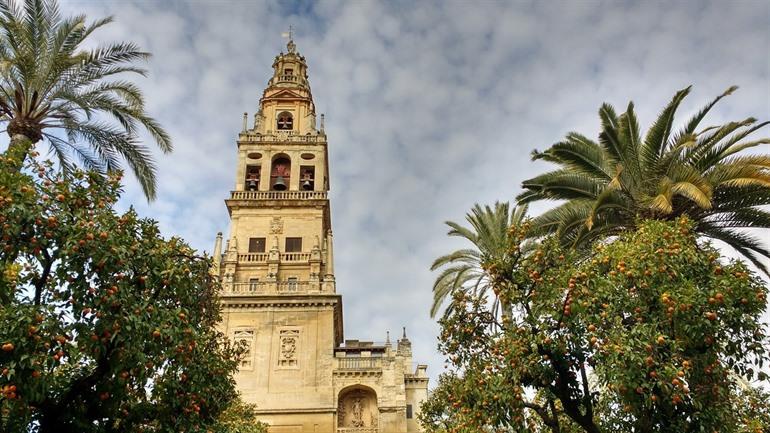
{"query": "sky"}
(430, 107)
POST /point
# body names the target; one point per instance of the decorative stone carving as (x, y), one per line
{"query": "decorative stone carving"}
(276, 226)
(289, 346)
(258, 119)
(357, 409)
(358, 413)
(245, 337)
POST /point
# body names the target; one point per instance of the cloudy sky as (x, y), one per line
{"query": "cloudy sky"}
(430, 107)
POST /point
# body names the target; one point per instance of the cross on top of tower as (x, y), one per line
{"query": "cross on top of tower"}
(291, 46)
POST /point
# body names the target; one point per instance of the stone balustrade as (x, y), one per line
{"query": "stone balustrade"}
(284, 257)
(282, 137)
(295, 257)
(357, 430)
(293, 286)
(289, 78)
(253, 257)
(269, 288)
(359, 363)
(278, 195)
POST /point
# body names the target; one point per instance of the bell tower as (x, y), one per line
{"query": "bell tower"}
(279, 295)
(280, 219)
(277, 269)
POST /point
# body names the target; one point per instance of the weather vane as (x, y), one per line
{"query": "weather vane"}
(289, 34)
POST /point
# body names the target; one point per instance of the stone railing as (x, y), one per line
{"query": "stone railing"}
(267, 288)
(284, 257)
(281, 136)
(287, 77)
(359, 363)
(246, 289)
(278, 195)
(293, 286)
(252, 257)
(357, 430)
(295, 257)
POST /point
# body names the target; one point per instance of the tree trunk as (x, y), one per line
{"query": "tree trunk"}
(18, 149)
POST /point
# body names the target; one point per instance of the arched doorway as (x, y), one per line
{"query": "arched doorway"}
(357, 410)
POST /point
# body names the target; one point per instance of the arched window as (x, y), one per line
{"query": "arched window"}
(285, 121)
(280, 174)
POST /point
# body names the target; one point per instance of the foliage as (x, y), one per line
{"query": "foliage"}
(239, 417)
(704, 174)
(650, 334)
(104, 324)
(466, 269)
(78, 99)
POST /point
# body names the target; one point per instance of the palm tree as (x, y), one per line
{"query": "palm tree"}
(466, 269)
(702, 173)
(75, 98)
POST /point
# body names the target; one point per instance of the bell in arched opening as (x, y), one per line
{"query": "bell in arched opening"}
(280, 174)
(307, 179)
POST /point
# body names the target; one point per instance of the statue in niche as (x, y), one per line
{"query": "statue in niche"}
(357, 409)
(358, 413)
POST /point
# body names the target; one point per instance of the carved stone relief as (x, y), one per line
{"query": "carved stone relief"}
(357, 409)
(276, 225)
(245, 337)
(289, 347)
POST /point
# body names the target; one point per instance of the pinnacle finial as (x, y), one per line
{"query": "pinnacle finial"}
(404, 332)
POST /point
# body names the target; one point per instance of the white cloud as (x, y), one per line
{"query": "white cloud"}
(431, 107)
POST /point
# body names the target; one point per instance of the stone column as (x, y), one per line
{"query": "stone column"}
(217, 256)
(329, 284)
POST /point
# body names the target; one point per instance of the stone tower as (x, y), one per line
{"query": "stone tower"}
(278, 289)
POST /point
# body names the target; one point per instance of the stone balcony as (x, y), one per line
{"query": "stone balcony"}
(278, 195)
(280, 137)
(270, 288)
(359, 363)
(283, 257)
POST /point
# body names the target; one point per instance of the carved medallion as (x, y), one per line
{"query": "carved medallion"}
(246, 338)
(276, 226)
(289, 341)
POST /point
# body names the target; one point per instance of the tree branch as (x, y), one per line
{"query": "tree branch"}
(40, 283)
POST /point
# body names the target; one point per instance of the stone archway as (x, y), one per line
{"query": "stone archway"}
(357, 409)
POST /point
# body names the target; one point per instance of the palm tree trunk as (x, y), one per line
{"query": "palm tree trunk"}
(18, 149)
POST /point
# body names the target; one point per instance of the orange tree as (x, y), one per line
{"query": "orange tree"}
(652, 333)
(105, 326)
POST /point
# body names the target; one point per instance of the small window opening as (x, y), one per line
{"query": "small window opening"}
(253, 284)
(307, 178)
(285, 121)
(256, 245)
(292, 284)
(288, 71)
(409, 411)
(293, 245)
(252, 177)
